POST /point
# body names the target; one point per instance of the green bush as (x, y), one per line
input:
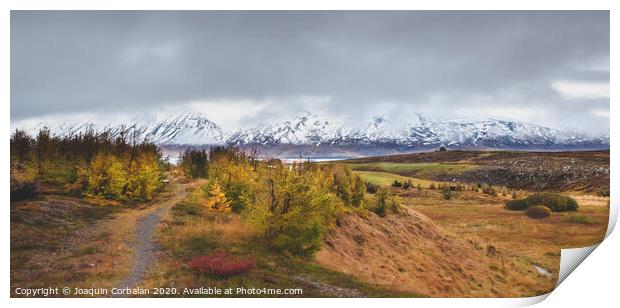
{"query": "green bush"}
(517, 205)
(555, 202)
(298, 239)
(538, 212)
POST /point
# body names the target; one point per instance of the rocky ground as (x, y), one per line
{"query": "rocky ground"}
(583, 171)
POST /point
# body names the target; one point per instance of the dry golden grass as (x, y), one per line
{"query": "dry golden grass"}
(476, 216)
(421, 262)
(408, 252)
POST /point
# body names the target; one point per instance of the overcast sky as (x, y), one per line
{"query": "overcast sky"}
(549, 68)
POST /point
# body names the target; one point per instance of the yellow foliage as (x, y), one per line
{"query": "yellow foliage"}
(216, 199)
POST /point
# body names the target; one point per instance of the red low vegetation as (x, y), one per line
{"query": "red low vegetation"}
(221, 264)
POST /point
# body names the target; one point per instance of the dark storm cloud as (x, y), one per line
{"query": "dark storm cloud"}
(427, 61)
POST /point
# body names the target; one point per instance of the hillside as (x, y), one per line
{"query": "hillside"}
(586, 171)
(409, 252)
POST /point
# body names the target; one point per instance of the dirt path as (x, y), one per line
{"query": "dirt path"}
(328, 290)
(145, 245)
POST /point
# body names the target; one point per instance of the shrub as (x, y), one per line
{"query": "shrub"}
(221, 264)
(555, 202)
(419, 187)
(432, 186)
(296, 238)
(517, 205)
(23, 191)
(447, 193)
(386, 203)
(407, 184)
(394, 204)
(538, 212)
(371, 188)
(381, 206)
(359, 190)
(397, 184)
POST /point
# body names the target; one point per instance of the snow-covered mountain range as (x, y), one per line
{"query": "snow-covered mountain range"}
(377, 135)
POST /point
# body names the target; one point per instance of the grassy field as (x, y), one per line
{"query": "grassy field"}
(421, 170)
(386, 179)
(482, 218)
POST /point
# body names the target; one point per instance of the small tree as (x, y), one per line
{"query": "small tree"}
(359, 190)
(419, 186)
(381, 206)
(195, 163)
(216, 199)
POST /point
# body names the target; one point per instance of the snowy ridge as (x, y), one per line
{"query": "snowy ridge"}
(307, 129)
(188, 128)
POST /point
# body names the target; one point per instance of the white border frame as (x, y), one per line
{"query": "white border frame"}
(593, 284)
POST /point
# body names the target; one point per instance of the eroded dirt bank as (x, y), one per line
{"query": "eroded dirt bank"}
(409, 252)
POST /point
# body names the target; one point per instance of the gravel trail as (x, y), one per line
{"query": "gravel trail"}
(145, 247)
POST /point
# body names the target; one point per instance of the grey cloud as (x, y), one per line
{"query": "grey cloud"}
(110, 61)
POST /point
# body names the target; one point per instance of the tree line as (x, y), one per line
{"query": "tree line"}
(112, 165)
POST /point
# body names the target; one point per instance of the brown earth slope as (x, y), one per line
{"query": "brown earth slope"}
(408, 252)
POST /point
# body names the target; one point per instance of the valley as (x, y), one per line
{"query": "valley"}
(432, 224)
